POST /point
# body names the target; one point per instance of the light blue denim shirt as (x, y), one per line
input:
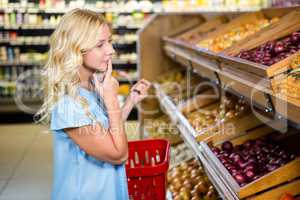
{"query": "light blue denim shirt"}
(78, 176)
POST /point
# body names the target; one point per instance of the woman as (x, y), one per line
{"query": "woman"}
(90, 143)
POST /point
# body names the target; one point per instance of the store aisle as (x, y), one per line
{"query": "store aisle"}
(25, 162)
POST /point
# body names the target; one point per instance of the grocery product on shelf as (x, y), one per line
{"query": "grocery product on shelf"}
(237, 33)
(124, 89)
(180, 153)
(124, 39)
(212, 5)
(253, 159)
(188, 181)
(122, 75)
(285, 3)
(14, 55)
(203, 118)
(162, 127)
(273, 51)
(290, 83)
(14, 38)
(178, 87)
(229, 107)
(192, 36)
(21, 82)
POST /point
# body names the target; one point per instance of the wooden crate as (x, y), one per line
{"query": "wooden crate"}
(292, 187)
(281, 175)
(204, 99)
(182, 51)
(194, 35)
(230, 128)
(285, 26)
(236, 22)
(246, 18)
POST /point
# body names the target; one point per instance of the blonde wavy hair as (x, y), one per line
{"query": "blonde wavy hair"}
(77, 32)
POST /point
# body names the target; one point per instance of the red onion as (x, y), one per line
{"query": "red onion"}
(249, 143)
(216, 150)
(250, 174)
(227, 146)
(279, 47)
(240, 178)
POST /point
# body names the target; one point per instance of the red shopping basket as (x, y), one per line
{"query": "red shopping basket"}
(147, 168)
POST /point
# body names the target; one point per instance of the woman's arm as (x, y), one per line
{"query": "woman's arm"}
(108, 145)
(127, 108)
(137, 94)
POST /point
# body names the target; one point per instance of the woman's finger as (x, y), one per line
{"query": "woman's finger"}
(140, 87)
(108, 71)
(145, 82)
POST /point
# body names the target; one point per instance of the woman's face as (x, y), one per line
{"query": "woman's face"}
(97, 58)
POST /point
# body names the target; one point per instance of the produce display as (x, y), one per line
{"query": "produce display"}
(171, 83)
(180, 153)
(273, 51)
(175, 83)
(238, 33)
(252, 159)
(290, 85)
(285, 3)
(202, 118)
(162, 127)
(230, 107)
(189, 182)
(122, 75)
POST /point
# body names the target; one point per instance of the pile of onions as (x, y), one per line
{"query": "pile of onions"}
(273, 51)
(253, 159)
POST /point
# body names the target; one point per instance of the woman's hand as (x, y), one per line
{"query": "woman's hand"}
(139, 91)
(108, 88)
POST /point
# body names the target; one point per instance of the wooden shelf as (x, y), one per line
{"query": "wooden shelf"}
(188, 134)
(168, 52)
(224, 182)
(250, 86)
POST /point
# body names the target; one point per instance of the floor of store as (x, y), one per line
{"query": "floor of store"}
(26, 161)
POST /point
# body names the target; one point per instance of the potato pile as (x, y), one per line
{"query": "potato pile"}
(189, 182)
(290, 85)
(229, 107)
(178, 87)
(180, 153)
(162, 127)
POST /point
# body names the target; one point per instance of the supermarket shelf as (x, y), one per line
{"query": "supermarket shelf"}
(117, 10)
(255, 90)
(188, 134)
(44, 27)
(22, 43)
(118, 63)
(9, 100)
(124, 81)
(7, 64)
(8, 105)
(129, 45)
(122, 62)
(64, 10)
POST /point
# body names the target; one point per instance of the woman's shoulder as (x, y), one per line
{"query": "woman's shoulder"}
(69, 112)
